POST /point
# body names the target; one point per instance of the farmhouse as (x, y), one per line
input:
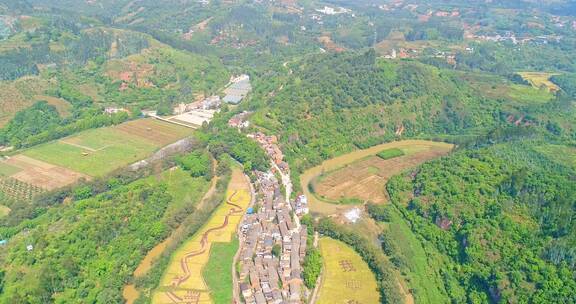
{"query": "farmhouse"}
(240, 120)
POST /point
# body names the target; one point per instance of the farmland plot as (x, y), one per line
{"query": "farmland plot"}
(361, 175)
(183, 280)
(100, 151)
(346, 277)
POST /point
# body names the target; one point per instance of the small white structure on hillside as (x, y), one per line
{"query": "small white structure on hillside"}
(353, 215)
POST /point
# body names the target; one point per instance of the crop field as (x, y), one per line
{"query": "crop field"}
(362, 175)
(100, 151)
(19, 190)
(217, 272)
(346, 277)
(540, 80)
(498, 87)
(183, 280)
(37, 174)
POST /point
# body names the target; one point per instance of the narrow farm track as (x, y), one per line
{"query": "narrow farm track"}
(236, 209)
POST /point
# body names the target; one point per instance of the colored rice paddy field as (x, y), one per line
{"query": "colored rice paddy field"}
(346, 278)
(540, 80)
(183, 280)
(361, 175)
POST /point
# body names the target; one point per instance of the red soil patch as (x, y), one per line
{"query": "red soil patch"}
(43, 175)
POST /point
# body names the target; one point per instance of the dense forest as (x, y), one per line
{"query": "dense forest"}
(339, 102)
(508, 235)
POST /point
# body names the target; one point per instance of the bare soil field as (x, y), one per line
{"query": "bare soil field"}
(361, 175)
(329, 44)
(42, 174)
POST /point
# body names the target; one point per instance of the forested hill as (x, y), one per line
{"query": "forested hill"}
(496, 224)
(336, 103)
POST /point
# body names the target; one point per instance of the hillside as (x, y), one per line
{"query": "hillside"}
(337, 103)
(459, 224)
(92, 66)
(513, 212)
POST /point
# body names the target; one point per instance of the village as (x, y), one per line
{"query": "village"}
(273, 242)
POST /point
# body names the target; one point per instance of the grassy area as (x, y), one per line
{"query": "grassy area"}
(218, 271)
(561, 154)
(19, 94)
(184, 189)
(60, 104)
(94, 152)
(526, 94)
(4, 211)
(8, 170)
(415, 265)
(390, 153)
(346, 277)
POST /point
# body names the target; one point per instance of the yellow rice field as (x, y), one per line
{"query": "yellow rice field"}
(540, 80)
(346, 277)
(182, 282)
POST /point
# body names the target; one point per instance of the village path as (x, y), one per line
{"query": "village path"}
(288, 186)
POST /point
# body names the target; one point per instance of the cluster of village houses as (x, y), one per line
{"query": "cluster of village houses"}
(269, 275)
(273, 243)
(270, 145)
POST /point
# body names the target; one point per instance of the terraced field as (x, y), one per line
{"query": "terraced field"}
(183, 281)
(540, 80)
